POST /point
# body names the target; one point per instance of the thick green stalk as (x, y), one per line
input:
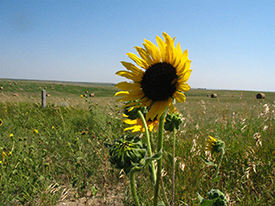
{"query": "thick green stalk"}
(159, 148)
(149, 148)
(174, 170)
(133, 188)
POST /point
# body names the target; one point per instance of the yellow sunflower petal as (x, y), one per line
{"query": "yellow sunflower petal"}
(162, 48)
(157, 109)
(129, 75)
(185, 76)
(182, 69)
(121, 93)
(134, 128)
(183, 59)
(171, 107)
(180, 97)
(127, 85)
(133, 68)
(144, 55)
(131, 97)
(177, 56)
(140, 62)
(153, 50)
(130, 121)
(184, 87)
(169, 48)
(146, 101)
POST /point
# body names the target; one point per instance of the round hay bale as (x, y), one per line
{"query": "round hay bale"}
(1, 88)
(214, 95)
(92, 95)
(48, 95)
(260, 96)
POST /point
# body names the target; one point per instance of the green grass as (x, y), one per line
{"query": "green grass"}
(67, 153)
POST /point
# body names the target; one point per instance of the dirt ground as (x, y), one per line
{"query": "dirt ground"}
(113, 197)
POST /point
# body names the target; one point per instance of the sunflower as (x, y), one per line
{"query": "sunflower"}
(1, 122)
(214, 145)
(161, 78)
(137, 125)
(211, 141)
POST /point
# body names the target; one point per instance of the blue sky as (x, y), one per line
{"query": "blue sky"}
(231, 42)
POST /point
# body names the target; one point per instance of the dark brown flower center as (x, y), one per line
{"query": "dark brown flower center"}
(159, 81)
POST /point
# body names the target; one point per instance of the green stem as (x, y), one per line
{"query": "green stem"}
(149, 149)
(174, 170)
(218, 164)
(159, 148)
(133, 188)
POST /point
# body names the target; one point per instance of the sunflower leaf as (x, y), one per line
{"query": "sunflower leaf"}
(170, 157)
(207, 162)
(154, 157)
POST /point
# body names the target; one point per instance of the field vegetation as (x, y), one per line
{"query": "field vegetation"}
(57, 153)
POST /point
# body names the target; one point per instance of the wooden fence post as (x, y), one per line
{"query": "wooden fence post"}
(43, 98)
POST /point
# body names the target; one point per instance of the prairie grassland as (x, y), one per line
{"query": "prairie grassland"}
(56, 153)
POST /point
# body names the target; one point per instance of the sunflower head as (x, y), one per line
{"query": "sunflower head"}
(160, 76)
(1, 122)
(215, 145)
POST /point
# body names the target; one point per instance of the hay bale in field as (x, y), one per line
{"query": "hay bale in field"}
(1, 88)
(92, 95)
(48, 95)
(214, 95)
(260, 96)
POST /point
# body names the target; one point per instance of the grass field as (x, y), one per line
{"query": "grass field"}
(56, 153)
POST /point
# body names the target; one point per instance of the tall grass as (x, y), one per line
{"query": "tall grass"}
(66, 158)
(67, 149)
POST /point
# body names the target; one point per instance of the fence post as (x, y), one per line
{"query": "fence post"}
(43, 98)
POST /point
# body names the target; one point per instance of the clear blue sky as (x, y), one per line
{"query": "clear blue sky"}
(231, 42)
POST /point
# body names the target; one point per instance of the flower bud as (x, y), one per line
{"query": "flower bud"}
(173, 121)
(126, 152)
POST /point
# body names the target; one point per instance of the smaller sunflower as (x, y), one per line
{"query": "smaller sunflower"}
(1, 122)
(214, 145)
(137, 125)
